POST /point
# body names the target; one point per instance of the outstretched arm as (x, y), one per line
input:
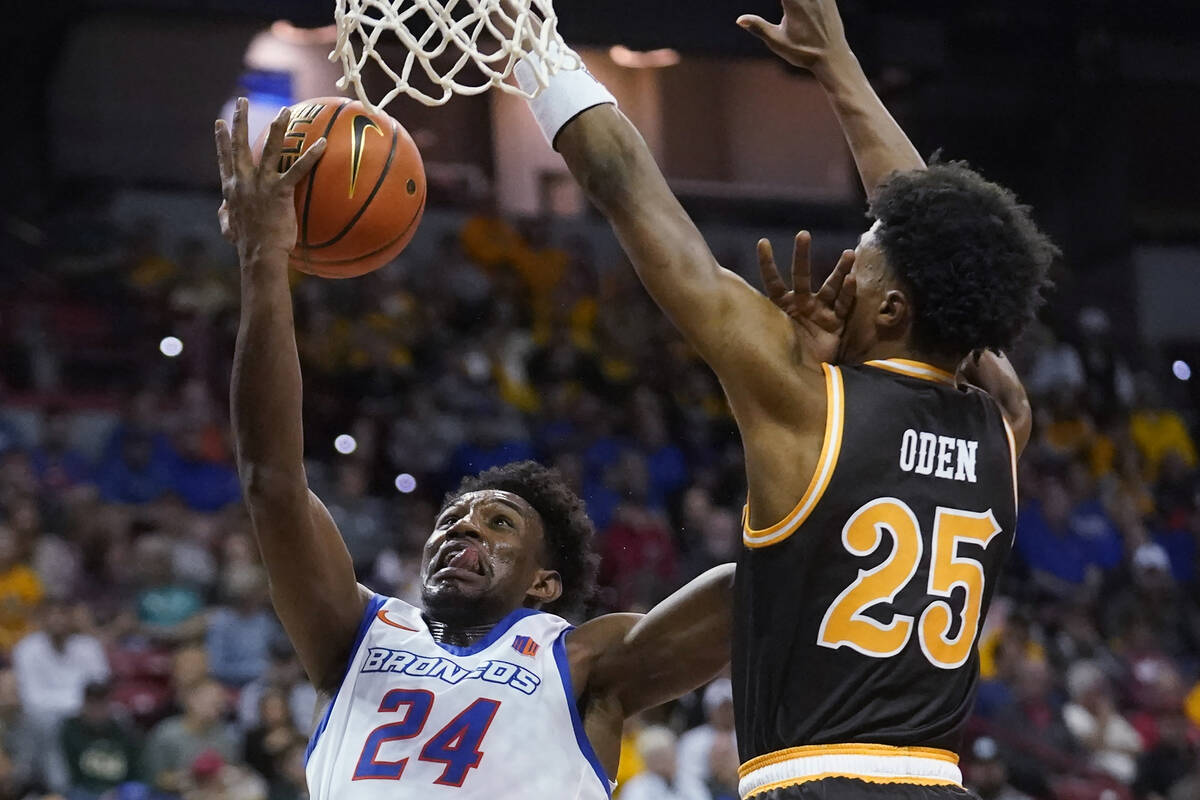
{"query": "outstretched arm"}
(746, 341)
(811, 36)
(624, 663)
(311, 576)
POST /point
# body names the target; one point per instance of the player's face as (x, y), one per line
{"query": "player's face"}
(484, 560)
(874, 283)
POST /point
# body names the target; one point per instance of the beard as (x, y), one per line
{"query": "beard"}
(449, 603)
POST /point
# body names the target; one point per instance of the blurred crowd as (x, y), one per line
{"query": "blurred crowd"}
(140, 657)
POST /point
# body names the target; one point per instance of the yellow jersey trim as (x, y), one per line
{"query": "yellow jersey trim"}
(865, 778)
(1012, 451)
(914, 369)
(874, 750)
(835, 417)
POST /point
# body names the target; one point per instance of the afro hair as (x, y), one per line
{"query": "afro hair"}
(568, 529)
(969, 253)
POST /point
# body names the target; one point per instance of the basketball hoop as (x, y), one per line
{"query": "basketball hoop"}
(449, 32)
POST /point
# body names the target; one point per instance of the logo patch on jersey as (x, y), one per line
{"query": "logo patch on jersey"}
(402, 662)
(525, 645)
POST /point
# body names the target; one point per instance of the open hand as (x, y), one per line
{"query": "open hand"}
(821, 316)
(258, 213)
(810, 31)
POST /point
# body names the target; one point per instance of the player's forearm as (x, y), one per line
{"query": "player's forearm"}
(266, 385)
(878, 143)
(613, 165)
(610, 160)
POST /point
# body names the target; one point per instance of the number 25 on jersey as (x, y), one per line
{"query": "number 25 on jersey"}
(846, 625)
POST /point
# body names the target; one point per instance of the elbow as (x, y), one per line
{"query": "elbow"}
(266, 486)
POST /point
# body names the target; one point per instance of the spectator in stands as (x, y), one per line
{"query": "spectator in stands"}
(240, 633)
(1033, 728)
(57, 464)
(696, 746)
(1099, 728)
(166, 610)
(202, 483)
(212, 777)
(284, 675)
(18, 737)
(20, 592)
(638, 556)
(723, 764)
(1061, 561)
(1147, 614)
(292, 783)
(1158, 430)
(137, 470)
(1169, 761)
(986, 774)
(100, 750)
(55, 664)
(656, 745)
(266, 743)
(361, 518)
(175, 743)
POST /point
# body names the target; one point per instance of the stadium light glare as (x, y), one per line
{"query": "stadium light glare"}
(405, 483)
(1181, 370)
(170, 346)
(345, 444)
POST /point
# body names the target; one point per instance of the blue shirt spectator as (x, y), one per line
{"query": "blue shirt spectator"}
(240, 635)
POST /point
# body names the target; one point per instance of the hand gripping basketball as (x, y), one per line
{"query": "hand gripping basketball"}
(258, 212)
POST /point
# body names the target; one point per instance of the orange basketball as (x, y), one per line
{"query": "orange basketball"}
(360, 205)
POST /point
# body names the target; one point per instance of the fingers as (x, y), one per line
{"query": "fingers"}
(801, 263)
(223, 219)
(833, 284)
(846, 295)
(772, 280)
(224, 151)
(757, 26)
(275, 134)
(304, 164)
(241, 138)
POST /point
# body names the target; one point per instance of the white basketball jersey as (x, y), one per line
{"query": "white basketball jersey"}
(417, 719)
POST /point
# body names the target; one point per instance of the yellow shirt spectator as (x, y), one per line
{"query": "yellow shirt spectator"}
(20, 594)
(1158, 432)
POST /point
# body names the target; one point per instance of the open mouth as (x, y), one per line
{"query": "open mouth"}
(460, 556)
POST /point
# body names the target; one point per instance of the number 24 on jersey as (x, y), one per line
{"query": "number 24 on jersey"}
(845, 624)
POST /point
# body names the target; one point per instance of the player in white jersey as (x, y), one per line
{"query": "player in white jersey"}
(482, 692)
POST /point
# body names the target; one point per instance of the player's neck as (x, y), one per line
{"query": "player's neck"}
(457, 635)
(882, 351)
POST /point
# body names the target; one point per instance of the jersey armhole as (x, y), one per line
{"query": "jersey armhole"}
(831, 446)
(581, 738)
(373, 607)
(1012, 452)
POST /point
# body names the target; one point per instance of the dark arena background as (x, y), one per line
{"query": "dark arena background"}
(512, 327)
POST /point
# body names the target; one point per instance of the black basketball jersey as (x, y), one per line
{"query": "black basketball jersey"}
(858, 614)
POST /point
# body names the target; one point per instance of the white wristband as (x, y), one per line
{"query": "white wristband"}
(568, 93)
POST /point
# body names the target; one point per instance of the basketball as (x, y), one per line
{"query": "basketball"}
(361, 204)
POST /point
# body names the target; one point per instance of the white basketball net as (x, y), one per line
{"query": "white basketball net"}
(449, 32)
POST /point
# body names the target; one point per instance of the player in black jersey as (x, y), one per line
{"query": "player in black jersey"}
(881, 484)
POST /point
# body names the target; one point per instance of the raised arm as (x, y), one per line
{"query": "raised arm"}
(811, 36)
(745, 340)
(312, 579)
(994, 373)
(624, 663)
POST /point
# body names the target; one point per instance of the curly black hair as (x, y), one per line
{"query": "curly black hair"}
(970, 254)
(568, 529)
